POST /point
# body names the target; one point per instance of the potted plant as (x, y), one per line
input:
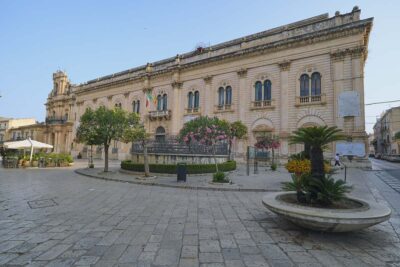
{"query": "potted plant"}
(314, 199)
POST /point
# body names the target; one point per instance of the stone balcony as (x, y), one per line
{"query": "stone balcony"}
(224, 108)
(160, 115)
(193, 111)
(311, 100)
(263, 104)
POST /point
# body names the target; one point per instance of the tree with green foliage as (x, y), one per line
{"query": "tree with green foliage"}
(137, 133)
(206, 131)
(397, 136)
(237, 130)
(317, 138)
(101, 126)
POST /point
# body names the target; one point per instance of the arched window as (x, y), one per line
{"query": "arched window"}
(190, 100)
(315, 84)
(159, 102)
(66, 116)
(258, 91)
(54, 114)
(221, 96)
(228, 99)
(304, 85)
(160, 134)
(165, 103)
(134, 106)
(196, 99)
(138, 106)
(118, 105)
(267, 90)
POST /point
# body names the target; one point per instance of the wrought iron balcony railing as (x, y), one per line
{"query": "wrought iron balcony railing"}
(56, 120)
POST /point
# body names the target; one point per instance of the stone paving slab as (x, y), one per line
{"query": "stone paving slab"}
(107, 223)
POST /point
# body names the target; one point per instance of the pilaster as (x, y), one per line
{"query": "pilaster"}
(283, 107)
(243, 94)
(208, 96)
(176, 108)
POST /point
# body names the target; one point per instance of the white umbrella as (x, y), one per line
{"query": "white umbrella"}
(24, 144)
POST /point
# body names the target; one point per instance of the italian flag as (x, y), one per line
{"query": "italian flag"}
(149, 98)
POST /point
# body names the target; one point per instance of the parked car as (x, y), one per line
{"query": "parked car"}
(378, 156)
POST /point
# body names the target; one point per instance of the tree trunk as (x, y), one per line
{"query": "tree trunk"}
(317, 162)
(215, 159)
(106, 158)
(91, 156)
(146, 161)
(273, 156)
(229, 149)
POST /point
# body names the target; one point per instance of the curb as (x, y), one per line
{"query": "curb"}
(80, 172)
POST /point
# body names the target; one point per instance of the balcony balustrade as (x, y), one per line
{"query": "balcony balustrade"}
(195, 110)
(224, 108)
(263, 104)
(160, 114)
(311, 100)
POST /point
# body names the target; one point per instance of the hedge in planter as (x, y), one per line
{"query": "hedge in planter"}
(171, 168)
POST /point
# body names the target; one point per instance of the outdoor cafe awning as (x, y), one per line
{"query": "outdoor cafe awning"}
(26, 144)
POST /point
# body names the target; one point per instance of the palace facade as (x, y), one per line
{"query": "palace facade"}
(310, 72)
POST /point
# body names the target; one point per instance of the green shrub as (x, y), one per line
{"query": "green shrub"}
(274, 166)
(324, 191)
(220, 177)
(171, 168)
(327, 190)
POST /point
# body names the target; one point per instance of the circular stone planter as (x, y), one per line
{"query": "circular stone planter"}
(365, 214)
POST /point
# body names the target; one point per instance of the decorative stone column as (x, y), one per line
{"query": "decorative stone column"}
(209, 103)
(283, 107)
(176, 108)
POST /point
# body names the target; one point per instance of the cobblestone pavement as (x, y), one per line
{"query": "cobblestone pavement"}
(264, 180)
(55, 217)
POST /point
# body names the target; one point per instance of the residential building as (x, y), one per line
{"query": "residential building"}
(7, 124)
(306, 73)
(385, 130)
(34, 131)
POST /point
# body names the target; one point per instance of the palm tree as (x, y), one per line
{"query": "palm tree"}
(317, 138)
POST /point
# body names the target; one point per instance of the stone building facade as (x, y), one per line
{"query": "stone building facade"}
(8, 126)
(385, 129)
(274, 81)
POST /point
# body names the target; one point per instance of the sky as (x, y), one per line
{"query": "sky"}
(93, 38)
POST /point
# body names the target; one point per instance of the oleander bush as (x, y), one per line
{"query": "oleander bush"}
(171, 168)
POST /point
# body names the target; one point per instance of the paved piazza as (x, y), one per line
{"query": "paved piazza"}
(59, 218)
